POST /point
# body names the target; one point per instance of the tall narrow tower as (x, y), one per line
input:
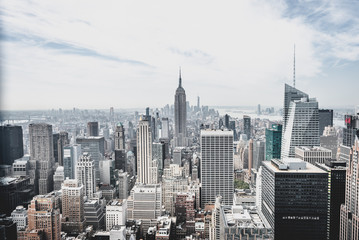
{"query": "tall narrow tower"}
(42, 151)
(180, 116)
(144, 151)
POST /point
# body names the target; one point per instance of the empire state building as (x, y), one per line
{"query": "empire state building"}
(180, 138)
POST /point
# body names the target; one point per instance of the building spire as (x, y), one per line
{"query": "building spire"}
(294, 68)
(180, 78)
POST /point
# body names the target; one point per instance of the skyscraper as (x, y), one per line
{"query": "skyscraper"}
(290, 94)
(73, 220)
(295, 199)
(273, 142)
(336, 194)
(325, 119)
(247, 126)
(217, 166)
(85, 173)
(43, 214)
(95, 146)
(145, 204)
(180, 116)
(226, 121)
(120, 137)
(11, 144)
(349, 212)
(329, 140)
(92, 129)
(72, 154)
(42, 151)
(351, 130)
(144, 151)
(165, 128)
(63, 140)
(302, 127)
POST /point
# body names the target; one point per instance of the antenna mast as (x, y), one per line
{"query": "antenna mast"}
(294, 68)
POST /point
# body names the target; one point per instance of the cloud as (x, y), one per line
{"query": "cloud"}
(128, 56)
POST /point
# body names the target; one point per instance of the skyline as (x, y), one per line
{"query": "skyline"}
(61, 55)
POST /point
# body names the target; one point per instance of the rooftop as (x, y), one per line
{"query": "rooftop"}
(291, 165)
(241, 217)
(312, 149)
(216, 132)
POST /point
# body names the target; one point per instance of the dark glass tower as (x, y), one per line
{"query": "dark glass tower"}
(351, 130)
(92, 129)
(180, 116)
(11, 144)
(325, 119)
(295, 199)
(336, 194)
(247, 126)
(273, 142)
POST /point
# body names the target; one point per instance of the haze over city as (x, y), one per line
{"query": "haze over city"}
(67, 54)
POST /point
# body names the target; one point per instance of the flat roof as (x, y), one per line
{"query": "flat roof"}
(216, 132)
(310, 168)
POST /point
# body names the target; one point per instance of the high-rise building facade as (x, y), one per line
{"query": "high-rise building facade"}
(120, 137)
(144, 151)
(217, 166)
(61, 142)
(351, 130)
(11, 144)
(247, 126)
(59, 178)
(92, 129)
(116, 211)
(295, 199)
(19, 216)
(73, 220)
(329, 140)
(290, 94)
(302, 127)
(72, 154)
(325, 119)
(180, 133)
(42, 152)
(145, 203)
(95, 146)
(85, 173)
(349, 212)
(44, 215)
(165, 128)
(336, 194)
(273, 142)
(313, 154)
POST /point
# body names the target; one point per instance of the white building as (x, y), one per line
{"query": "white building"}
(122, 185)
(73, 219)
(20, 166)
(106, 167)
(145, 204)
(313, 154)
(302, 128)
(85, 172)
(144, 152)
(217, 166)
(118, 233)
(19, 216)
(116, 211)
(58, 178)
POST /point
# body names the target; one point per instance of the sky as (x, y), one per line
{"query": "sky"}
(127, 54)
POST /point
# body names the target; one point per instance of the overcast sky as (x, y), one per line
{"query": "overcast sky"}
(126, 54)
